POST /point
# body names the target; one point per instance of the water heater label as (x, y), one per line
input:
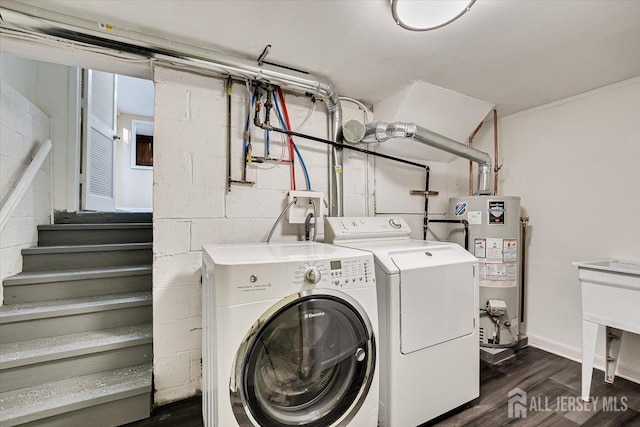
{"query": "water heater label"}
(474, 217)
(496, 212)
(502, 275)
(510, 250)
(480, 248)
(494, 250)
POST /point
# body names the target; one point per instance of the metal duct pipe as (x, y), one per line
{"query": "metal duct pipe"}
(381, 131)
(336, 184)
(36, 21)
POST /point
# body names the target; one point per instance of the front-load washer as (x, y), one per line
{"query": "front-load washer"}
(289, 336)
(428, 314)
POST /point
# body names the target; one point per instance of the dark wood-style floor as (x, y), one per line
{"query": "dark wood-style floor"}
(549, 379)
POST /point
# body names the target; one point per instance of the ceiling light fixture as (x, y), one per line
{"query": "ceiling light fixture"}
(426, 15)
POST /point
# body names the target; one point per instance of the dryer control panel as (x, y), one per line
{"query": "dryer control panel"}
(355, 229)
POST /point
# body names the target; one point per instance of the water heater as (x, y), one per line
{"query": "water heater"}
(494, 238)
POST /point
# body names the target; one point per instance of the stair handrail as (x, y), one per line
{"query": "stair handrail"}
(22, 183)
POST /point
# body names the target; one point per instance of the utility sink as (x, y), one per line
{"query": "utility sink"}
(612, 265)
(610, 299)
(611, 293)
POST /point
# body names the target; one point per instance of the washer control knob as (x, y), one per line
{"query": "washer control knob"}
(312, 275)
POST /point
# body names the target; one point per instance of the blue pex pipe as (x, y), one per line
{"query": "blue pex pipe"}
(245, 140)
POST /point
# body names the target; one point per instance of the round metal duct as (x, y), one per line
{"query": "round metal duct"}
(353, 131)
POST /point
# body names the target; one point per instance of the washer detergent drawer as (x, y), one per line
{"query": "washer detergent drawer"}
(436, 298)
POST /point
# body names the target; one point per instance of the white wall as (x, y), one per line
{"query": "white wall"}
(53, 88)
(58, 96)
(21, 74)
(23, 127)
(393, 181)
(574, 163)
(192, 206)
(134, 187)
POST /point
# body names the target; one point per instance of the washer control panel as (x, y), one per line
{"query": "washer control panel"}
(241, 274)
(337, 273)
(351, 272)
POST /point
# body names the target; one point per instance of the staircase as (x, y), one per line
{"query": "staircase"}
(76, 325)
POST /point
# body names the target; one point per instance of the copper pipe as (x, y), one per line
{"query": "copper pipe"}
(473, 135)
(524, 223)
(229, 89)
(230, 180)
(496, 160)
(470, 169)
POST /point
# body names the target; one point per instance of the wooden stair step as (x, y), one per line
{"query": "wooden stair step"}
(88, 217)
(55, 285)
(75, 257)
(28, 363)
(40, 350)
(23, 322)
(60, 276)
(48, 309)
(77, 397)
(94, 234)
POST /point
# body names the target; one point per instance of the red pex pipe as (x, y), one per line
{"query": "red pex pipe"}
(291, 152)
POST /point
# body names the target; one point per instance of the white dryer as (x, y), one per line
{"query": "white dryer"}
(289, 336)
(428, 313)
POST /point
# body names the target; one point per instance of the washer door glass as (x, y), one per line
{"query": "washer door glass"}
(309, 365)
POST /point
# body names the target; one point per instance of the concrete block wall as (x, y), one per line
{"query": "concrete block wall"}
(23, 127)
(192, 206)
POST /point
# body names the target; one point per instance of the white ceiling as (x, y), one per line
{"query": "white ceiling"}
(516, 54)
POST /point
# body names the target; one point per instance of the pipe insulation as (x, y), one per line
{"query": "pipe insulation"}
(381, 131)
(38, 21)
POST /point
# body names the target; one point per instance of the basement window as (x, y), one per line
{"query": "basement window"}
(141, 144)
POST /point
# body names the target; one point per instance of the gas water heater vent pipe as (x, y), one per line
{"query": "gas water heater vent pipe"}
(381, 131)
(38, 22)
